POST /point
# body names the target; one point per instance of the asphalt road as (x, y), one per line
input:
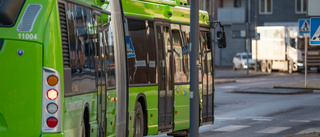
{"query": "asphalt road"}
(263, 115)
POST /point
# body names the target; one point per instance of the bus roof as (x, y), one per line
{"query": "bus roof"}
(155, 9)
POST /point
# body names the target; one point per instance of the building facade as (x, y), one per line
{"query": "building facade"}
(259, 12)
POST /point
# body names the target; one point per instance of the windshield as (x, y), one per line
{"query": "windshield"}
(245, 56)
(9, 12)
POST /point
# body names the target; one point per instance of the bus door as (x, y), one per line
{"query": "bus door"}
(165, 77)
(207, 77)
(100, 69)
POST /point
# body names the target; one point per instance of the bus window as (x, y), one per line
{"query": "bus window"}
(180, 66)
(82, 50)
(186, 52)
(142, 65)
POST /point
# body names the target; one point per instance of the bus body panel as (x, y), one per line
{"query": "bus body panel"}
(182, 107)
(159, 11)
(52, 135)
(74, 108)
(21, 88)
(151, 95)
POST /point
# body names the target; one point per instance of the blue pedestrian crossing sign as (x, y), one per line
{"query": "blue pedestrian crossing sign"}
(315, 31)
(258, 36)
(304, 26)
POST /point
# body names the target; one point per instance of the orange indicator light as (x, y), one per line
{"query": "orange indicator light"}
(52, 80)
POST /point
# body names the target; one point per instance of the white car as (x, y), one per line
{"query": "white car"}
(240, 61)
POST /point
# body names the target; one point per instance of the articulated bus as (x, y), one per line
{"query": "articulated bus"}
(60, 62)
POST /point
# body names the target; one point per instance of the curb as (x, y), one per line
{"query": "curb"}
(265, 91)
(224, 81)
(243, 76)
(284, 87)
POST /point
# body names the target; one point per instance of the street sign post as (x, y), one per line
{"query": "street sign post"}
(315, 31)
(304, 28)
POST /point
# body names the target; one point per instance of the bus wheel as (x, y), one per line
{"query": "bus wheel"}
(83, 128)
(138, 121)
(263, 66)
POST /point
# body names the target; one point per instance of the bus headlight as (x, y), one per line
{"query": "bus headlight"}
(300, 64)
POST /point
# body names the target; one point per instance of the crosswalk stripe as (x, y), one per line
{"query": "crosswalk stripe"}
(302, 121)
(309, 130)
(271, 130)
(225, 118)
(231, 128)
(261, 119)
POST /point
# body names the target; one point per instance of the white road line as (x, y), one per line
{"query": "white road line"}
(231, 128)
(228, 87)
(224, 118)
(302, 121)
(261, 119)
(309, 130)
(272, 130)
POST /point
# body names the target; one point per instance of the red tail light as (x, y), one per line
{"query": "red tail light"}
(52, 122)
(52, 94)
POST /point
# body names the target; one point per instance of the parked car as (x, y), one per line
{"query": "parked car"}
(240, 61)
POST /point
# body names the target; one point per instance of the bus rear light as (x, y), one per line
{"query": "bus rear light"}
(52, 94)
(52, 122)
(51, 101)
(52, 108)
(52, 80)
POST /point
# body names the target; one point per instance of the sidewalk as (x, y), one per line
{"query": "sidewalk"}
(228, 72)
(311, 84)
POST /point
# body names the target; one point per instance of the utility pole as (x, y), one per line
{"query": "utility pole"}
(256, 23)
(248, 40)
(194, 81)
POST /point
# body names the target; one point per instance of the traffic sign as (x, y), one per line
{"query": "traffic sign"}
(304, 26)
(315, 31)
(258, 36)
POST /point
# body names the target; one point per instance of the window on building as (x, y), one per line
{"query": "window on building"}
(237, 3)
(301, 6)
(265, 6)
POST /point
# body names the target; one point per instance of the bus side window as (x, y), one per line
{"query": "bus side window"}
(180, 54)
(142, 61)
(82, 50)
(186, 46)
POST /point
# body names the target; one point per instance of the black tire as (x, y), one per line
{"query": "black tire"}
(269, 66)
(263, 66)
(138, 121)
(83, 129)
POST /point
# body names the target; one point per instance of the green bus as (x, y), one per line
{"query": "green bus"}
(63, 64)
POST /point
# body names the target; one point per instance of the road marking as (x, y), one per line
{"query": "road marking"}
(302, 121)
(231, 128)
(309, 130)
(224, 118)
(228, 87)
(272, 130)
(262, 119)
